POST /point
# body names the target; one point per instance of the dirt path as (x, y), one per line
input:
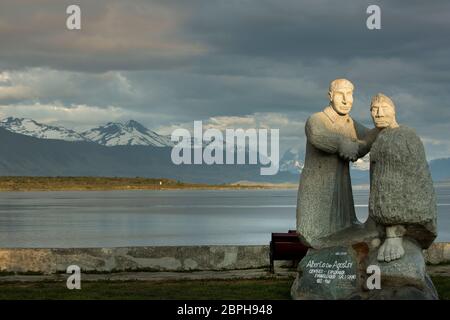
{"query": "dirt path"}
(159, 276)
(439, 270)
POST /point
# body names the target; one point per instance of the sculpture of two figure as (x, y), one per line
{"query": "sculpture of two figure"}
(402, 201)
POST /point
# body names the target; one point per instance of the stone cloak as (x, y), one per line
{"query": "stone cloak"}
(401, 188)
(325, 199)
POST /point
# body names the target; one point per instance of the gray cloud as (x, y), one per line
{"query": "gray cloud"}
(169, 62)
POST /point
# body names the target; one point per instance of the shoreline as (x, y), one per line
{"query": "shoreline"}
(152, 189)
(41, 184)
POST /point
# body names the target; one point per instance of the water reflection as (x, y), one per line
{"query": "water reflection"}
(180, 217)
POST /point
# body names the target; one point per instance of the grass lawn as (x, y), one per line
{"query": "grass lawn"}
(209, 290)
(442, 285)
(183, 290)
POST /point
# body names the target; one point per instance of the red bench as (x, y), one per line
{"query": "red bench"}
(286, 246)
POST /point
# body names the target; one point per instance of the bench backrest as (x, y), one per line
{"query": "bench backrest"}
(287, 246)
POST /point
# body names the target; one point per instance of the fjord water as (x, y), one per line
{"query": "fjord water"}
(176, 217)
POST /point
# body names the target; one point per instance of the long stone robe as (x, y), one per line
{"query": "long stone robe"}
(401, 188)
(325, 199)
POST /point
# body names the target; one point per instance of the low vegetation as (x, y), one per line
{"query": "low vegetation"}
(184, 290)
(106, 183)
(260, 289)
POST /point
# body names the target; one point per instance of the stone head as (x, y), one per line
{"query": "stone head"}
(382, 109)
(341, 96)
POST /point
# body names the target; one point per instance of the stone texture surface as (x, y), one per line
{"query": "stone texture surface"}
(438, 253)
(409, 270)
(357, 233)
(169, 258)
(406, 292)
(325, 199)
(401, 188)
(184, 258)
(405, 278)
(330, 273)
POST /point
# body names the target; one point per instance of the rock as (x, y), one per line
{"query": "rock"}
(357, 233)
(405, 278)
(339, 272)
(409, 270)
(330, 273)
(438, 253)
(405, 293)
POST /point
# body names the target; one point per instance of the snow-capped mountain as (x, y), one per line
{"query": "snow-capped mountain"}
(362, 164)
(32, 128)
(131, 133)
(112, 134)
(292, 161)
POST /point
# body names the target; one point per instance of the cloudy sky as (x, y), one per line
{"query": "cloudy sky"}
(230, 63)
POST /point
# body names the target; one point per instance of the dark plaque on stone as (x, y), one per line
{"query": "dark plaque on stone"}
(329, 273)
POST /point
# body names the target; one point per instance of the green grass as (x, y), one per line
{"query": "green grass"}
(259, 289)
(442, 285)
(183, 290)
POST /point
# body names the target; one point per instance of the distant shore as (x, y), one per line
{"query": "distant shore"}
(11, 183)
(117, 183)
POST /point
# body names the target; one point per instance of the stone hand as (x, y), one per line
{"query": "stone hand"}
(348, 150)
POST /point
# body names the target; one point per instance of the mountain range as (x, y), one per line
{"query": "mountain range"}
(32, 128)
(129, 149)
(292, 161)
(30, 148)
(130, 133)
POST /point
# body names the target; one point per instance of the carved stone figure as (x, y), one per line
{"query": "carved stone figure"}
(402, 198)
(325, 200)
(402, 209)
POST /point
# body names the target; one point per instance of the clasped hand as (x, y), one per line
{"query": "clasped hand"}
(349, 150)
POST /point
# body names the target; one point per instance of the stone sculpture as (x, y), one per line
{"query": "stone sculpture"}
(325, 199)
(402, 212)
(402, 198)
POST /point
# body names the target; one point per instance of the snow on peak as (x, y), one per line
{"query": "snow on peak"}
(292, 160)
(32, 128)
(130, 133)
(362, 164)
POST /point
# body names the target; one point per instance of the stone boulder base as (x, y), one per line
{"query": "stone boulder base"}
(329, 273)
(340, 272)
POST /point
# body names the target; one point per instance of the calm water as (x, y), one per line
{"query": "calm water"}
(182, 217)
